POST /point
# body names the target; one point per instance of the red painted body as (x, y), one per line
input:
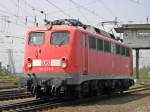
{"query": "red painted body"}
(79, 59)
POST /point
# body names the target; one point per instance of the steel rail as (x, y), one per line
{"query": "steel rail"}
(12, 91)
(143, 85)
(15, 96)
(51, 104)
(28, 103)
(21, 104)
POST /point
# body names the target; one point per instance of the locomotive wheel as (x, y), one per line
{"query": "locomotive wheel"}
(78, 92)
(38, 92)
(85, 89)
(100, 88)
(99, 91)
(108, 90)
(121, 91)
(29, 85)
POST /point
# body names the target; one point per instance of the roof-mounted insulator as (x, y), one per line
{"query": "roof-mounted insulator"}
(72, 22)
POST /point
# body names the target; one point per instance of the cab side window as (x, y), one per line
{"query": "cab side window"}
(123, 52)
(107, 46)
(83, 40)
(127, 52)
(92, 42)
(100, 45)
(118, 50)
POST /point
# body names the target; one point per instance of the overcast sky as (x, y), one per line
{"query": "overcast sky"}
(17, 15)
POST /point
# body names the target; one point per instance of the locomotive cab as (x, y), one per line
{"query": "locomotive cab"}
(46, 51)
(52, 57)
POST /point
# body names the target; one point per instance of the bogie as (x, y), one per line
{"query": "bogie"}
(86, 89)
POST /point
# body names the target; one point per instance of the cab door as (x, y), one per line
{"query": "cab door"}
(35, 50)
(84, 53)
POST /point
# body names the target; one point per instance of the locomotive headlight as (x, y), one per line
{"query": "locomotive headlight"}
(29, 65)
(64, 63)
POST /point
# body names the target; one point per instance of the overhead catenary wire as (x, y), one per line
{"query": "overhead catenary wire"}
(62, 11)
(31, 6)
(140, 3)
(28, 18)
(18, 10)
(107, 8)
(78, 8)
(9, 35)
(10, 15)
(87, 9)
(57, 11)
(17, 17)
(6, 20)
(22, 11)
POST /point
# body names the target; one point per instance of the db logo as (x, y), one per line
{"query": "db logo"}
(46, 63)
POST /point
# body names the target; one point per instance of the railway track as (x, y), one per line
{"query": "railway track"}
(42, 104)
(8, 87)
(9, 91)
(33, 105)
(138, 89)
(14, 94)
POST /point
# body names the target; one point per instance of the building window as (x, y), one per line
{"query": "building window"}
(92, 42)
(99, 44)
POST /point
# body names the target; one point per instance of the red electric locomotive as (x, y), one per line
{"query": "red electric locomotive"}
(66, 57)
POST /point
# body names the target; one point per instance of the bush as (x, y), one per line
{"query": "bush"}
(6, 76)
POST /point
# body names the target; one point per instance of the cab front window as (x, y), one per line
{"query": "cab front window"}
(59, 38)
(36, 38)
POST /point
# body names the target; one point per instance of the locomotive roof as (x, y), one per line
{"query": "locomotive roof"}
(76, 24)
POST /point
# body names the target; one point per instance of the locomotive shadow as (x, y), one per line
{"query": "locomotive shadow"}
(115, 100)
(123, 99)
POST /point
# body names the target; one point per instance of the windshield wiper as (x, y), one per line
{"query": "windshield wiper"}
(61, 42)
